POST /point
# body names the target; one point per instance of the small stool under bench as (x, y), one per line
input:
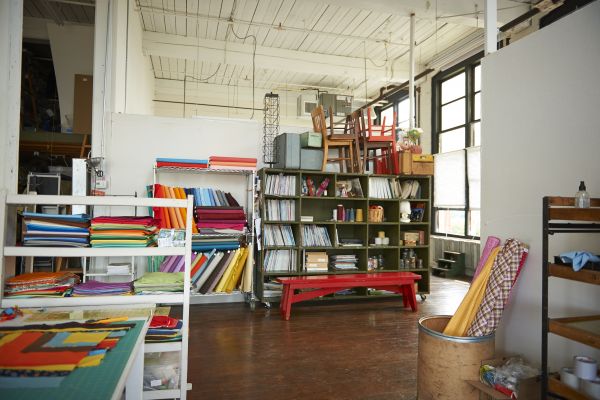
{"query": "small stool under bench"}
(398, 282)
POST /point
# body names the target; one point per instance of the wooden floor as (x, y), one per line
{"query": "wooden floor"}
(338, 350)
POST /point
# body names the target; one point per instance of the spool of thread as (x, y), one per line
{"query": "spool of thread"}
(591, 388)
(586, 367)
(340, 212)
(378, 241)
(568, 377)
(381, 234)
(359, 215)
(334, 214)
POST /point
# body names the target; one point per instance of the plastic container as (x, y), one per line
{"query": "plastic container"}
(447, 362)
(582, 197)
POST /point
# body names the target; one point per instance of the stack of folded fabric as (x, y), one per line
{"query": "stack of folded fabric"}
(204, 242)
(159, 283)
(95, 288)
(164, 329)
(218, 162)
(40, 284)
(220, 219)
(123, 231)
(181, 163)
(56, 230)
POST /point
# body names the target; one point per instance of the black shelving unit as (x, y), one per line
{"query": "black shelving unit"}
(560, 217)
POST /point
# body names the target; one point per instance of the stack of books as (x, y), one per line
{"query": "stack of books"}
(279, 235)
(316, 236)
(181, 163)
(280, 185)
(315, 261)
(384, 188)
(280, 261)
(218, 162)
(344, 262)
(281, 210)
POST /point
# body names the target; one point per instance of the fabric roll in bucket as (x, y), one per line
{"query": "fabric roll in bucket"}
(447, 362)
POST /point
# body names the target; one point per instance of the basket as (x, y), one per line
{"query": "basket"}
(375, 214)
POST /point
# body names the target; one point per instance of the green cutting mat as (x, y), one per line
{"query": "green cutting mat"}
(92, 383)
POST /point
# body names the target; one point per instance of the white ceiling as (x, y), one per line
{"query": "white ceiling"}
(331, 44)
(61, 11)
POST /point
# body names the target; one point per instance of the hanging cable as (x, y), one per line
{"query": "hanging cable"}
(253, 60)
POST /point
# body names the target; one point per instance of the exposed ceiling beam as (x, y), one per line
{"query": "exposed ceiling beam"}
(279, 26)
(461, 12)
(51, 12)
(217, 51)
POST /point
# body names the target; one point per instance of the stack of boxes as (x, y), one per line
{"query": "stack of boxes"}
(315, 261)
(299, 151)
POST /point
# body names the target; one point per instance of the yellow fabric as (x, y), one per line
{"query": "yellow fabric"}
(57, 367)
(8, 338)
(461, 321)
(86, 337)
(237, 271)
(221, 285)
(91, 361)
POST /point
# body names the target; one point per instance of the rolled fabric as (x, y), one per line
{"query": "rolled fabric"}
(490, 244)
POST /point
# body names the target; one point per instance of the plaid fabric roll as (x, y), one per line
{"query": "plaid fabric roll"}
(504, 274)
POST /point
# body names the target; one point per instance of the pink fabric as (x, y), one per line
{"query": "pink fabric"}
(490, 244)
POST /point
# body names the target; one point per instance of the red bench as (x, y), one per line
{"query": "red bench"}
(315, 286)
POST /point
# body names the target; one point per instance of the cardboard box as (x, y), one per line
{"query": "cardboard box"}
(287, 146)
(311, 159)
(422, 164)
(311, 139)
(82, 104)
(416, 164)
(409, 237)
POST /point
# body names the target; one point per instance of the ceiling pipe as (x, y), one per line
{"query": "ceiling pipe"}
(542, 6)
(394, 89)
(411, 81)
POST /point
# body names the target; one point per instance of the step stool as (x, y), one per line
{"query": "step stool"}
(452, 264)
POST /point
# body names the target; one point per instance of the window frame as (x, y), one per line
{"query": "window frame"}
(468, 66)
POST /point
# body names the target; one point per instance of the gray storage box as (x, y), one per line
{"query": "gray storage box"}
(287, 147)
(311, 139)
(311, 159)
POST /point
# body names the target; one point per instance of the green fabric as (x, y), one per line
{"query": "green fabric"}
(160, 278)
(92, 383)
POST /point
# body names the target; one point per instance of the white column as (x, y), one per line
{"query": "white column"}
(491, 26)
(100, 98)
(11, 41)
(411, 78)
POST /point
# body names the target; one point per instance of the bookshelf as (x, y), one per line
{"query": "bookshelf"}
(247, 177)
(309, 218)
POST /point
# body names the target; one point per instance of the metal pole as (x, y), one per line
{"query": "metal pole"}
(490, 13)
(411, 81)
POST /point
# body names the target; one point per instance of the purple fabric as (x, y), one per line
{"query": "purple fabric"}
(92, 287)
(166, 264)
(491, 243)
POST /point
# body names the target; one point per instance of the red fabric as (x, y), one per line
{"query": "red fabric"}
(163, 321)
(181, 164)
(12, 355)
(232, 159)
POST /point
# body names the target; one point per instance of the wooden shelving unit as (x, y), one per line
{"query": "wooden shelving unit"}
(321, 207)
(582, 329)
(8, 204)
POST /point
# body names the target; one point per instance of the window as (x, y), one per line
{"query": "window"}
(457, 127)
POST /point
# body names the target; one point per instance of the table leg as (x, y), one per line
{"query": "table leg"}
(413, 296)
(284, 296)
(288, 303)
(404, 295)
(134, 385)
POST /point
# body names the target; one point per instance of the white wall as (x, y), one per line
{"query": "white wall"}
(135, 141)
(140, 76)
(540, 136)
(72, 53)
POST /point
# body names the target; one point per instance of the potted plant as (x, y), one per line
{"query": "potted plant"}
(411, 141)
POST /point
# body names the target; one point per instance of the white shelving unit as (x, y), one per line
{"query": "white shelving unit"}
(250, 175)
(8, 204)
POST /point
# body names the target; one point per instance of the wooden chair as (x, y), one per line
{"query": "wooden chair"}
(346, 142)
(374, 138)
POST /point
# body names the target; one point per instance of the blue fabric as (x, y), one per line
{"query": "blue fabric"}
(578, 258)
(182, 160)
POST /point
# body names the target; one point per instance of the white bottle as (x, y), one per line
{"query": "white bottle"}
(582, 197)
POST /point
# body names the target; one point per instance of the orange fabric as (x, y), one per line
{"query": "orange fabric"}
(13, 354)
